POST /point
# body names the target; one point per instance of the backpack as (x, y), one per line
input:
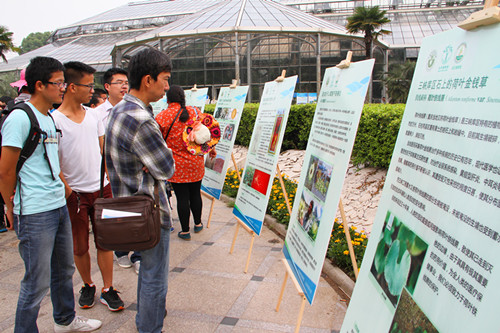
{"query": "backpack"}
(34, 135)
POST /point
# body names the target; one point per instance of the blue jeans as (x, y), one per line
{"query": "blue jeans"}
(46, 247)
(152, 286)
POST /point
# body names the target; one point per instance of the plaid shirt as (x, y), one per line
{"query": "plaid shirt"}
(134, 141)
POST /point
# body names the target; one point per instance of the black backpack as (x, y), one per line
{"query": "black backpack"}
(34, 136)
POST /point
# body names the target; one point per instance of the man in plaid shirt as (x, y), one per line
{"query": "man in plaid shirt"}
(137, 157)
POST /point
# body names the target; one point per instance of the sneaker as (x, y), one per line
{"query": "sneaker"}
(124, 261)
(112, 300)
(79, 324)
(137, 266)
(87, 294)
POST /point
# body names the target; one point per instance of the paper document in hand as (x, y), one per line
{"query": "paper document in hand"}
(113, 214)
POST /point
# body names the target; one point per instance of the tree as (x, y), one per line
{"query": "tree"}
(6, 43)
(369, 21)
(398, 81)
(34, 40)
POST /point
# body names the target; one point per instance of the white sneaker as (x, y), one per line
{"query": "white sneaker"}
(79, 324)
(137, 266)
(124, 261)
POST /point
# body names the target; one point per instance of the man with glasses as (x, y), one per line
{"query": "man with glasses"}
(116, 83)
(39, 212)
(137, 158)
(80, 156)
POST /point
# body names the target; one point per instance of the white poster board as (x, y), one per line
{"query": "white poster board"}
(432, 261)
(228, 113)
(160, 105)
(262, 158)
(326, 159)
(197, 98)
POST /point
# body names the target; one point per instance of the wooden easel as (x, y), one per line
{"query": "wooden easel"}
(232, 86)
(251, 232)
(490, 14)
(212, 198)
(343, 64)
(288, 272)
(194, 88)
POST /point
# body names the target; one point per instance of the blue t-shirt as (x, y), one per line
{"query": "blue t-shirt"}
(39, 192)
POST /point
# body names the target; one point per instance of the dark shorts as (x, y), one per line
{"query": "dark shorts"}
(81, 209)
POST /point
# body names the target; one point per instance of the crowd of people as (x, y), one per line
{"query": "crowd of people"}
(49, 201)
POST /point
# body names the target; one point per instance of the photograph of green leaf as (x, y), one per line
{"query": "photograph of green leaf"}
(398, 258)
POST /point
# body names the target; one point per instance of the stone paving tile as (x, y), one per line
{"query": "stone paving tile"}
(208, 290)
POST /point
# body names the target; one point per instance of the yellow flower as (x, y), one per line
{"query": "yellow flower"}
(232, 186)
(337, 240)
(353, 228)
(363, 236)
(346, 252)
(356, 234)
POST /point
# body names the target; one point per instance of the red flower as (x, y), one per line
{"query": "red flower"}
(207, 121)
(215, 132)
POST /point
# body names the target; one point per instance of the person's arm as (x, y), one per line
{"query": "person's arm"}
(8, 179)
(153, 152)
(67, 189)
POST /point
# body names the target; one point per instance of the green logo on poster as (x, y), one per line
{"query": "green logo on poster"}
(459, 55)
(431, 60)
(447, 54)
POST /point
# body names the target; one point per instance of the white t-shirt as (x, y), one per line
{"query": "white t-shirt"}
(103, 111)
(79, 151)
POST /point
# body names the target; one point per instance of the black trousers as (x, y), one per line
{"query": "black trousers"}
(188, 200)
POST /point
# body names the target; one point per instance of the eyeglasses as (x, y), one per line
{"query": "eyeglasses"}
(90, 86)
(122, 83)
(60, 85)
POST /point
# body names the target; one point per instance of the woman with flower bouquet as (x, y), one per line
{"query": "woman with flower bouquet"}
(189, 134)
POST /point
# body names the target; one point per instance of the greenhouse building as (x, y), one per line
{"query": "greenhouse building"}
(249, 40)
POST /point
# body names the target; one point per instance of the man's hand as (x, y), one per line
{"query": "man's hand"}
(10, 218)
(67, 192)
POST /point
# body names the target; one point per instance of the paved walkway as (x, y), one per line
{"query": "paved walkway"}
(208, 291)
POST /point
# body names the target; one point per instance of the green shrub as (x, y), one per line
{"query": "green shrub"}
(375, 139)
(377, 133)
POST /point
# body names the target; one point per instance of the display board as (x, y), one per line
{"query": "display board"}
(262, 157)
(326, 159)
(197, 98)
(228, 113)
(160, 105)
(432, 261)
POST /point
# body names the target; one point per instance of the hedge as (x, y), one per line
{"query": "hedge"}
(375, 140)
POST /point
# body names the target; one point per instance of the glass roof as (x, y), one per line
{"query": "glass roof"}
(92, 40)
(244, 15)
(92, 50)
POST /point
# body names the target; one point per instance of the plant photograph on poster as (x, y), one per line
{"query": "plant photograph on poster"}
(228, 132)
(215, 163)
(398, 258)
(318, 177)
(276, 130)
(309, 214)
(410, 318)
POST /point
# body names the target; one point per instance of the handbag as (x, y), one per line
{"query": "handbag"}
(129, 223)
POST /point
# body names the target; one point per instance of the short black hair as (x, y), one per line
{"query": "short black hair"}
(100, 91)
(6, 99)
(108, 75)
(74, 71)
(148, 61)
(41, 69)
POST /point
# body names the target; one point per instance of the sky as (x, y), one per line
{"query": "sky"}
(23, 17)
